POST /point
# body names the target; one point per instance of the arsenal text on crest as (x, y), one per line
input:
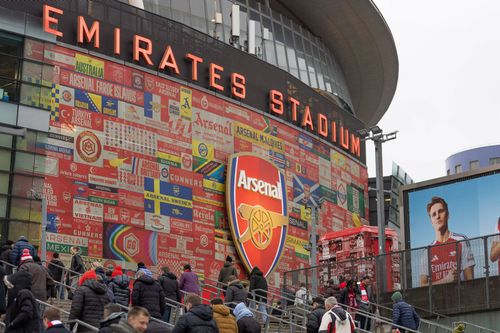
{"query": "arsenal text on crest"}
(260, 186)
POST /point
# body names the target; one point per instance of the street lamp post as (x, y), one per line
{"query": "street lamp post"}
(376, 134)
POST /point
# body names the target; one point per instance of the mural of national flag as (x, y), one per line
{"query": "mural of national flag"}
(88, 101)
(306, 191)
(155, 108)
(168, 199)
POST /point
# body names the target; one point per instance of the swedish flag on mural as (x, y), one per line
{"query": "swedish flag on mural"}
(168, 199)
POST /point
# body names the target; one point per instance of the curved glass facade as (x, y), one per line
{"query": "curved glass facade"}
(278, 39)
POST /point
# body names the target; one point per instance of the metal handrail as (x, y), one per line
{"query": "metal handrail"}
(77, 322)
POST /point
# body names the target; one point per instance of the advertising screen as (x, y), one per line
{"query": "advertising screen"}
(449, 211)
(141, 165)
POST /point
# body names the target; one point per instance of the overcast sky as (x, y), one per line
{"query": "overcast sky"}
(448, 93)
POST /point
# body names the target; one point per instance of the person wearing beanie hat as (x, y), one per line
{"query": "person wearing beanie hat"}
(403, 314)
(148, 293)
(119, 285)
(226, 271)
(89, 300)
(40, 276)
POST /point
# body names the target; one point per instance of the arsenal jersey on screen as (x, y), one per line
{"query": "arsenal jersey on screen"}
(444, 257)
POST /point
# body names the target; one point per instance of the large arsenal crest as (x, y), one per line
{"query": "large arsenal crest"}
(257, 209)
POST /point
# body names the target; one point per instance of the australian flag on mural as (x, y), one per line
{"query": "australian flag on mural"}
(306, 191)
(168, 199)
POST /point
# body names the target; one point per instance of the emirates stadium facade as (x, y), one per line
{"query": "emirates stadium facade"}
(123, 116)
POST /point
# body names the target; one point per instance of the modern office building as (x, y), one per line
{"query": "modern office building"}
(473, 159)
(123, 116)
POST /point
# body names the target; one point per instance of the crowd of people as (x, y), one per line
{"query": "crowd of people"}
(113, 302)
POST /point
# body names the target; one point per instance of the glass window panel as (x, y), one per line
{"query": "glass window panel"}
(281, 56)
(303, 68)
(21, 186)
(198, 19)
(24, 162)
(10, 44)
(243, 27)
(8, 113)
(180, 12)
(30, 95)
(29, 230)
(9, 90)
(278, 32)
(269, 44)
(41, 141)
(28, 142)
(3, 206)
(32, 72)
(4, 183)
(226, 19)
(253, 4)
(5, 140)
(47, 75)
(5, 160)
(20, 209)
(9, 68)
(312, 77)
(292, 62)
(298, 43)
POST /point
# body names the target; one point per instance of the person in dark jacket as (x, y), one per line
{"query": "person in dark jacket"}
(226, 271)
(197, 319)
(258, 287)
(56, 270)
(76, 267)
(170, 286)
(148, 293)
(119, 285)
(21, 244)
(113, 313)
(245, 319)
(188, 282)
(403, 314)
(235, 292)
(52, 321)
(89, 300)
(5, 256)
(314, 318)
(40, 277)
(22, 313)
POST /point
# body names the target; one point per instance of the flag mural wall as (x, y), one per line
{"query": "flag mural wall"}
(139, 167)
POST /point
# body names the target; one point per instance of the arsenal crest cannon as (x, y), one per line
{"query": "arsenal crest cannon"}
(261, 223)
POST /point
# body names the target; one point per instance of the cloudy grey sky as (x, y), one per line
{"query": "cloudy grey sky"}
(448, 93)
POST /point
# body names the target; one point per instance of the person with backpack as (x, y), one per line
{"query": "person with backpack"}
(148, 293)
(336, 319)
(403, 314)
